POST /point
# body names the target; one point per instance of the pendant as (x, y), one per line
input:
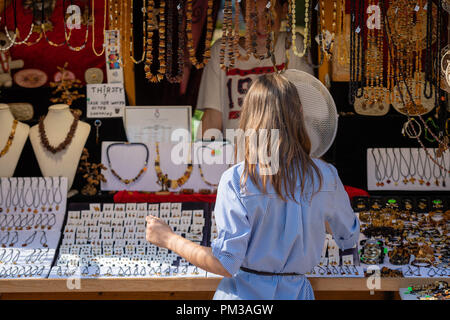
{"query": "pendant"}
(421, 181)
(29, 210)
(412, 180)
(35, 211)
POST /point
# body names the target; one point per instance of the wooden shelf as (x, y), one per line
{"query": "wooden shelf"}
(188, 285)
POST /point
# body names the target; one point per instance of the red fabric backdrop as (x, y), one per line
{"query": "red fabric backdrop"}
(47, 58)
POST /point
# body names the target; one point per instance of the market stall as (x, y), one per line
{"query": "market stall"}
(102, 111)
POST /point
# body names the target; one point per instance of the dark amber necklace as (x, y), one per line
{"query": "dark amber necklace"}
(62, 145)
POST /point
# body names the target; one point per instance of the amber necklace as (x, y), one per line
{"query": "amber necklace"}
(209, 33)
(144, 34)
(10, 139)
(226, 35)
(151, 25)
(171, 182)
(63, 145)
(93, 30)
(202, 175)
(66, 38)
(141, 172)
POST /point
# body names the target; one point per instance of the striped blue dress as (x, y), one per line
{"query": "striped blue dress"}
(261, 232)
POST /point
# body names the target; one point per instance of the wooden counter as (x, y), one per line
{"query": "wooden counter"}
(187, 288)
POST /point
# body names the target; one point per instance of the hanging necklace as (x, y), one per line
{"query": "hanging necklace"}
(226, 35)
(63, 145)
(16, 31)
(427, 165)
(152, 24)
(66, 38)
(209, 33)
(16, 193)
(180, 52)
(1, 196)
(43, 240)
(420, 165)
(14, 239)
(389, 164)
(436, 177)
(144, 33)
(395, 168)
(202, 175)
(411, 166)
(104, 26)
(44, 200)
(173, 184)
(10, 139)
(57, 190)
(144, 169)
(28, 204)
(30, 239)
(11, 41)
(86, 35)
(306, 38)
(377, 168)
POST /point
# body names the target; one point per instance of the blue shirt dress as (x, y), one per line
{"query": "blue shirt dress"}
(261, 232)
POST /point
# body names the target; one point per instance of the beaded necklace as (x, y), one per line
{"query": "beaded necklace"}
(141, 172)
(144, 34)
(10, 139)
(93, 30)
(172, 183)
(209, 34)
(63, 145)
(180, 52)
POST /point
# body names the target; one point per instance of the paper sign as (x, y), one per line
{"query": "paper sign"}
(105, 100)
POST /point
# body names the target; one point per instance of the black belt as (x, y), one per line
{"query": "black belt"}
(263, 273)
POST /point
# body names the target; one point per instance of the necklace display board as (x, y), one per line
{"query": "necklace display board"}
(32, 212)
(13, 135)
(213, 158)
(407, 169)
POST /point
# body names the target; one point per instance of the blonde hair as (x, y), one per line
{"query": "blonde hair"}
(272, 102)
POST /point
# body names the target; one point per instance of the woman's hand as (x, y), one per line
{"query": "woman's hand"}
(158, 232)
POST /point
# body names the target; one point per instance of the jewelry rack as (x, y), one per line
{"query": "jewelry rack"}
(407, 169)
(32, 211)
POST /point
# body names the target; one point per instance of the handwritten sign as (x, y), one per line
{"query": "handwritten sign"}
(105, 100)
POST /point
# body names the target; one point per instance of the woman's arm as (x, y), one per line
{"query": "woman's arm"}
(161, 235)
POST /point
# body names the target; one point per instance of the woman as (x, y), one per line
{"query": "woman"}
(271, 227)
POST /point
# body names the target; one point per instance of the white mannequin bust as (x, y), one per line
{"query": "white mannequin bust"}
(57, 124)
(8, 162)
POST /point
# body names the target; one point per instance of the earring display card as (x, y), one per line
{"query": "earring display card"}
(407, 169)
(173, 159)
(120, 248)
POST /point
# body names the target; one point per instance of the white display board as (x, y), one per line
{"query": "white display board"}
(156, 123)
(128, 160)
(415, 159)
